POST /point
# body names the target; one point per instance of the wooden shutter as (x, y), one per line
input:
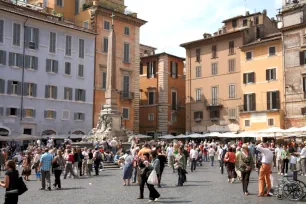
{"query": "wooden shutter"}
(84, 95)
(244, 78)
(25, 88)
(65, 93)
(277, 100)
(253, 77)
(171, 68)
(48, 65)
(55, 66)
(36, 37)
(9, 86)
(141, 68)
(19, 85)
(245, 102)
(76, 94)
(54, 114)
(11, 59)
(54, 92)
(268, 101)
(35, 63)
(34, 90)
(20, 60)
(2, 86)
(274, 74)
(27, 62)
(302, 60)
(304, 14)
(3, 56)
(267, 75)
(154, 68)
(1, 108)
(47, 94)
(33, 113)
(176, 69)
(253, 102)
(27, 36)
(1, 30)
(148, 70)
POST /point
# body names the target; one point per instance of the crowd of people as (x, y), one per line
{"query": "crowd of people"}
(142, 160)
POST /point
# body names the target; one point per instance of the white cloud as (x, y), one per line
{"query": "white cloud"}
(172, 22)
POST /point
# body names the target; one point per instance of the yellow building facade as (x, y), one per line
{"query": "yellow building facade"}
(262, 84)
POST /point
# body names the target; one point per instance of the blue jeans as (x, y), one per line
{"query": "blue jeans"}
(212, 160)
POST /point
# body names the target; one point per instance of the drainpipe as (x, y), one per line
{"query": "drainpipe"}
(190, 90)
(94, 83)
(23, 66)
(284, 77)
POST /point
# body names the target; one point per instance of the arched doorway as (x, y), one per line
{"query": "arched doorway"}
(48, 132)
(4, 131)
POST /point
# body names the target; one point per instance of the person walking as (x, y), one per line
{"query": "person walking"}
(155, 163)
(179, 160)
(84, 163)
(162, 160)
(230, 160)
(10, 183)
(303, 160)
(285, 157)
(60, 163)
(36, 162)
(246, 165)
(89, 162)
(69, 164)
(45, 167)
(80, 159)
(278, 159)
(97, 158)
(265, 169)
(128, 167)
(211, 154)
(237, 164)
(26, 165)
(170, 155)
(194, 156)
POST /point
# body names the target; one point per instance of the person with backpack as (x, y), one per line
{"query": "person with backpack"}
(10, 183)
(97, 157)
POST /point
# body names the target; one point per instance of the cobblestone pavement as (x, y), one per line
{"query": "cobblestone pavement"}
(205, 185)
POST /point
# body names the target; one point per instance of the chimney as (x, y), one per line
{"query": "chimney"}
(264, 12)
(206, 35)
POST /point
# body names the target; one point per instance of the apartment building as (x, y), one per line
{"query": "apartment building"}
(293, 27)
(46, 80)
(96, 15)
(162, 94)
(262, 84)
(213, 72)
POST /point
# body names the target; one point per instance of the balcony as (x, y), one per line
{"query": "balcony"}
(212, 103)
(124, 95)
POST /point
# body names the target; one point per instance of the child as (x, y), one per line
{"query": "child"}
(293, 161)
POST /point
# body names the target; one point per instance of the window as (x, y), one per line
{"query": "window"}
(245, 22)
(51, 92)
(151, 116)
(126, 87)
(249, 102)
(270, 122)
(29, 113)
(77, 7)
(273, 101)
(173, 117)
(2, 86)
(31, 38)
(173, 100)
(271, 74)
(126, 58)
(198, 71)
(106, 25)
(1, 31)
(247, 123)
(214, 51)
(125, 113)
(214, 95)
(13, 87)
(231, 47)
(231, 65)
(81, 48)
(79, 116)
(126, 31)
(30, 89)
(303, 57)
(198, 94)
(52, 43)
(65, 115)
(68, 93)
(80, 95)
(105, 44)
(234, 23)
(198, 55)
(103, 80)
(256, 20)
(141, 69)
(67, 68)
(272, 51)
(232, 91)
(50, 114)
(68, 45)
(304, 86)
(249, 78)
(151, 98)
(86, 24)
(214, 69)
(12, 111)
(16, 34)
(51, 66)
(198, 115)
(59, 3)
(214, 114)
(151, 69)
(15, 60)
(174, 69)
(249, 55)
(31, 62)
(81, 70)
(2, 57)
(232, 113)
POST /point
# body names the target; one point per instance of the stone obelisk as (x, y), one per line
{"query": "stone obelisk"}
(109, 124)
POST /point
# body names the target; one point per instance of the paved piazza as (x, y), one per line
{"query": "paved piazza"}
(206, 185)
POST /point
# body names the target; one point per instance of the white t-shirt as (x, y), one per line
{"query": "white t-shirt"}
(293, 160)
(169, 151)
(211, 152)
(278, 151)
(113, 143)
(85, 154)
(194, 154)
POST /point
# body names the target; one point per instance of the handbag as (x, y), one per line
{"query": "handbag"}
(153, 179)
(22, 187)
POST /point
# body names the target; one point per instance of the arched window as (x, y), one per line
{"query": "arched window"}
(4, 132)
(48, 132)
(78, 132)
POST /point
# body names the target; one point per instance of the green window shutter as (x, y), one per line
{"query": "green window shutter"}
(36, 38)
(2, 86)
(27, 36)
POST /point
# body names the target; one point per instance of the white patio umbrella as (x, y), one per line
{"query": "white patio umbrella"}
(229, 135)
(167, 137)
(294, 131)
(195, 135)
(247, 134)
(271, 132)
(181, 136)
(25, 137)
(140, 136)
(214, 134)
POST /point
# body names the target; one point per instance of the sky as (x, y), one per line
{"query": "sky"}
(173, 22)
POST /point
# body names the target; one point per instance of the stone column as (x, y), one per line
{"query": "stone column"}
(136, 80)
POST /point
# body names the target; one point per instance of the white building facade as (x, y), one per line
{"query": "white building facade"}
(46, 75)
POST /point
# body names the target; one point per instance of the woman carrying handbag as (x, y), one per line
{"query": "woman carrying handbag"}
(230, 160)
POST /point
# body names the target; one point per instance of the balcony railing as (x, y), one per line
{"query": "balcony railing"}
(125, 95)
(215, 102)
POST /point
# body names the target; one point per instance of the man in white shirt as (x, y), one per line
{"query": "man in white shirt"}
(194, 156)
(211, 154)
(303, 158)
(170, 155)
(278, 151)
(84, 162)
(113, 144)
(265, 170)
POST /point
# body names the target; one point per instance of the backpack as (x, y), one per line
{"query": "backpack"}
(224, 151)
(99, 156)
